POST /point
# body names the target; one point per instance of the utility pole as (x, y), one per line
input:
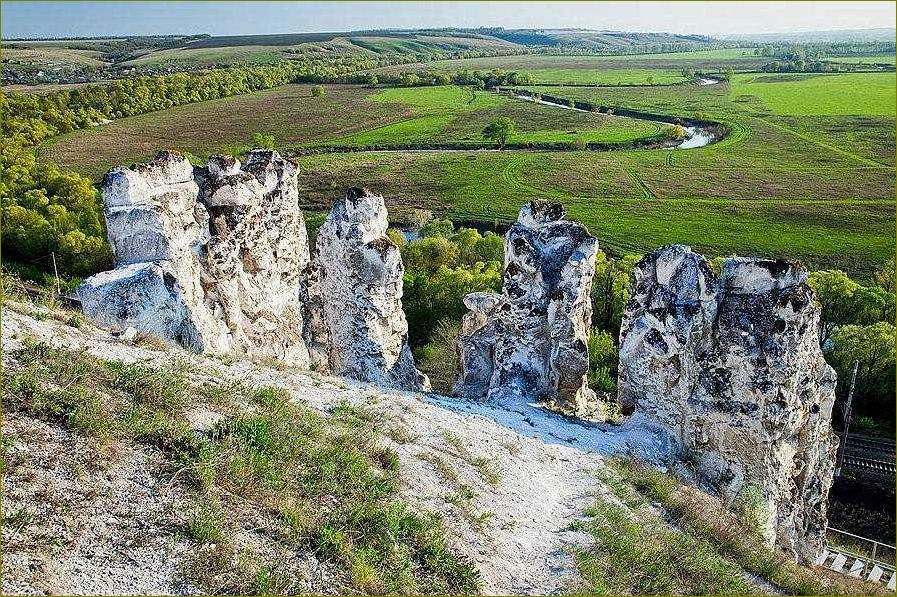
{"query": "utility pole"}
(848, 414)
(55, 273)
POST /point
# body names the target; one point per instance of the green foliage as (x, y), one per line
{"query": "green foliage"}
(437, 227)
(884, 276)
(47, 211)
(262, 141)
(432, 296)
(676, 131)
(440, 269)
(318, 91)
(611, 288)
(603, 361)
(873, 346)
(438, 358)
(500, 130)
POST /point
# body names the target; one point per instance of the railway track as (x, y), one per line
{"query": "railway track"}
(870, 455)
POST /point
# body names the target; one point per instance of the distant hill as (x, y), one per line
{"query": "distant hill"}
(834, 35)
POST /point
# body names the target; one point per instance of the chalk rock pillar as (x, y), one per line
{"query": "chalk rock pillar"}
(356, 284)
(536, 332)
(209, 258)
(732, 367)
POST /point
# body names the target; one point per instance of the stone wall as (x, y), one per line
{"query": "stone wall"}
(731, 366)
(532, 340)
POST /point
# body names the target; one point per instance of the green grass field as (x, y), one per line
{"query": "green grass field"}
(810, 185)
(367, 117)
(455, 115)
(867, 94)
(878, 59)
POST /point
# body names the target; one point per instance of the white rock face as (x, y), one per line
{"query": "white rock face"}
(209, 258)
(732, 367)
(355, 296)
(532, 340)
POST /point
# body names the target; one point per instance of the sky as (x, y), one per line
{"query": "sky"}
(70, 19)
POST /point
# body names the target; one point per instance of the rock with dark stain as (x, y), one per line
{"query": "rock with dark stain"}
(531, 341)
(731, 366)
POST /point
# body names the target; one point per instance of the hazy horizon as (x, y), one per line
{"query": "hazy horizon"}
(31, 19)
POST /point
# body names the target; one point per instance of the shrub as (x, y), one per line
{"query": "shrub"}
(318, 91)
(603, 360)
(262, 141)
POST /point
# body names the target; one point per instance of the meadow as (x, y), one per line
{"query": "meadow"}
(815, 183)
(209, 56)
(867, 94)
(368, 117)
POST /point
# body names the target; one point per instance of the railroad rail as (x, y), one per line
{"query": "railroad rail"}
(870, 455)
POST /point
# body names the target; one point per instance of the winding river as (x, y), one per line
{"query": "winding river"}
(695, 135)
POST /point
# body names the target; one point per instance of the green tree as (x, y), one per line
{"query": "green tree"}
(834, 290)
(884, 276)
(611, 289)
(438, 228)
(500, 130)
(318, 91)
(873, 347)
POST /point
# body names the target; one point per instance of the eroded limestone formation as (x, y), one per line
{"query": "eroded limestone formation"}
(531, 340)
(208, 258)
(216, 259)
(731, 366)
(356, 286)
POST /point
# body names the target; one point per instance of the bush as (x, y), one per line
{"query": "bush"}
(603, 361)
(318, 91)
(47, 211)
(438, 357)
(262, 141)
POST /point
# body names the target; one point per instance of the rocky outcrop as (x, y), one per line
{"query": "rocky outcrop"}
(532, 340)
(216, 259)
(355, 296)
(731, 366)
(208, 258)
